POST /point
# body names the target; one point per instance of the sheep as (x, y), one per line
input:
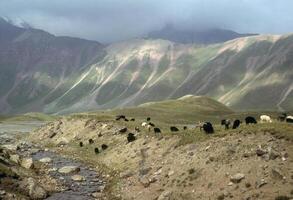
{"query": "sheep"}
(130, 137)
(144, 124)
(97, 150)
(174, 129)
(208, 128)
(236, 124)
(91, 141)
(157, 130)
(289, 119)
(250, 120)
(226, 122)
(137, 129)
(149, 127)
(265, 118)
(104, 146)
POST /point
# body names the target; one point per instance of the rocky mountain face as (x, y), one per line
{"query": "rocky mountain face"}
(34, 66)
(41, 72)
(208, 36)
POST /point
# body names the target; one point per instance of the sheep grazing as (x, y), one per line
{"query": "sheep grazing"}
(226, 122)
(97, 150)
(81, 144)
(91, 141)
(132, 119)
(137, 129)
(157, 130)
(118, 117)
(265, 119)
(184, 127)
(104, 146)
(289, 119)
(208, 128)
(174, 129)
(144, 124)
(236, 124)
(130, 137)
(149, 127)
(250, 120)
(148, 119)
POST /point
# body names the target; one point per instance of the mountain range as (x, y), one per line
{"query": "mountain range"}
(43, 72)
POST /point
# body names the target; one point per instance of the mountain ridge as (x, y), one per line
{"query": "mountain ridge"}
(60, 75)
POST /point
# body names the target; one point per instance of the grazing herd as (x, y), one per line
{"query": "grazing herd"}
(207, 127)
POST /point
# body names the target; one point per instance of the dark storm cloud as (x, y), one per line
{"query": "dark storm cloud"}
(112, 20)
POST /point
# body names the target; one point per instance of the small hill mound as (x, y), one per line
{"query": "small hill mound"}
(186, 109)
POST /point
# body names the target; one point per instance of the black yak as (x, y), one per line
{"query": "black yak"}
(226, 122)
(250, 120)
(104, 146)
(157, 130)
(174, 129)
(81, 144)
(148, 119)
(208, 128)
(97, 150)
(91, 141)
(130, 137)
(236, 124)
(118, 117)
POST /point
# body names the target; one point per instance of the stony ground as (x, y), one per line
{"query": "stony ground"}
(252, 162)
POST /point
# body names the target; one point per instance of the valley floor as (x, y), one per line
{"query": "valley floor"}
(252, 162)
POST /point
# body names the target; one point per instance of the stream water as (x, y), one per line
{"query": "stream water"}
(75, 190)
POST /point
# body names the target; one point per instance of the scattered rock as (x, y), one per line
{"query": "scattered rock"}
(166, 195)
(144, 181)
(237, 178)
(126, 174)
(69, 169)
(260, 152)
(170, 173)
(15, 158)
(77, 178)
(35, 191)
(11, 147)
(144, 171)
(277, 174)
(45, 160)
(27, 163)
(259, 184)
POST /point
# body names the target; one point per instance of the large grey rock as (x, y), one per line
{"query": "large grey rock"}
(69, 169)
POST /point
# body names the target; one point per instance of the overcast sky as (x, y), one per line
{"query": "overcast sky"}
(113, 20)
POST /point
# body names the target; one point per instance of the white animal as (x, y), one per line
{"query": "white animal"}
(289, 117)
(144, 124)
(149, 127)
(265, 118)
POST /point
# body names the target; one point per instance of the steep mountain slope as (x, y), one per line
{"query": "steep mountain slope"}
(35, 65)
(247, 73)
(41, 72)
(209, 36)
